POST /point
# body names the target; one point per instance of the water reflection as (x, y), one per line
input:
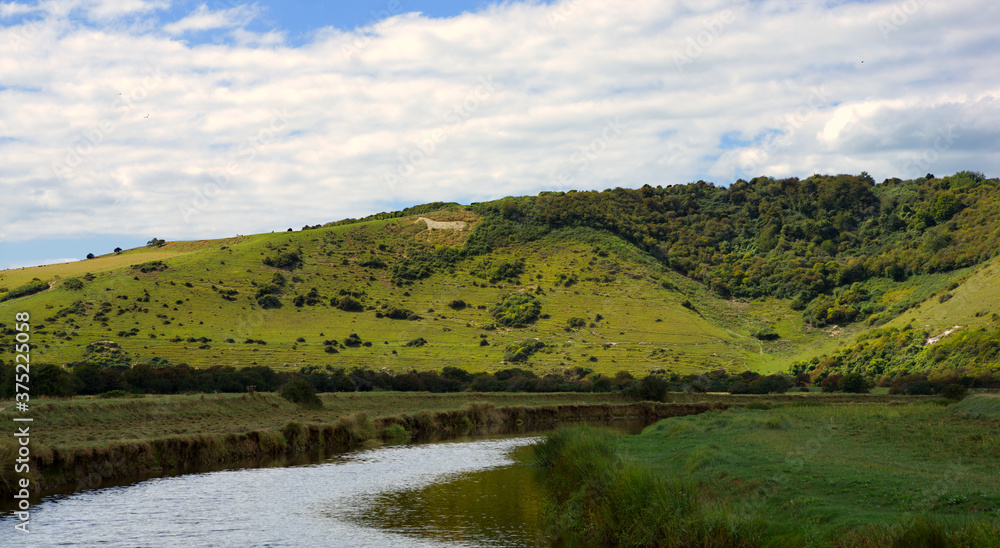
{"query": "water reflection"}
(501, 506)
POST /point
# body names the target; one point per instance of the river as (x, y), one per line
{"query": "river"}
(455, 494)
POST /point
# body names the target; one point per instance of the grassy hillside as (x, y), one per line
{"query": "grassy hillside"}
(966, 303)
(631, 321)
(687, 278)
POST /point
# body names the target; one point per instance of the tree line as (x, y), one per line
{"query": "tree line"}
(87, 379)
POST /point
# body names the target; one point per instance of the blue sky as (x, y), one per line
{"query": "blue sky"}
(301, 19)
(121, 121)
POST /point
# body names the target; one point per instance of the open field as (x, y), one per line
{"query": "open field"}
(798, 475)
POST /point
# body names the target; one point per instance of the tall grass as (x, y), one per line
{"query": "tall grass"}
(924, 532)
(8, 477)
(835, 475)
(604, 499)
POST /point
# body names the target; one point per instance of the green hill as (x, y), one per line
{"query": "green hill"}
(685, 278)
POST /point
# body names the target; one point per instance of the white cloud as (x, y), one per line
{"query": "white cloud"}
(10, 9)
(205, 19)
(41, 263)
(252, 134)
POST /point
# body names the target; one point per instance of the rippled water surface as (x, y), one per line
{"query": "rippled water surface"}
(444, 494)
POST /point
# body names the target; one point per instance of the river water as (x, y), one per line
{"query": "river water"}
(457, 494)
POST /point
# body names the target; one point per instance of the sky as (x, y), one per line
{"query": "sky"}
(127, 120)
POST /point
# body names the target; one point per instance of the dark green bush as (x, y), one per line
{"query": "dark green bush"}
(922, 388)
(269, 301)
(73, 284)
(955, 391)
(397, 313)
(649, 388)
(854, 383)
(765, 334)
(410, 269)
(576, 322)
(151, 266)
(286, 261)
(347, 304)
(299, 391)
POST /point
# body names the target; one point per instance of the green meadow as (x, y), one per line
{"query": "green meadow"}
(806, 474)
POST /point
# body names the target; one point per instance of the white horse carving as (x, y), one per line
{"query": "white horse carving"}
(442, 225)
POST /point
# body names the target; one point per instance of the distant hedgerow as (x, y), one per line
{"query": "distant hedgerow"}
(30, 288)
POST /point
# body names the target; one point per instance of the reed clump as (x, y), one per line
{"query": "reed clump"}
(395, 433)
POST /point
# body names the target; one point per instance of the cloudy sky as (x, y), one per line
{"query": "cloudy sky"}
(124, 120)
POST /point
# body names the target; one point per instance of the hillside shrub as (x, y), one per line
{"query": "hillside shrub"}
(520, 352)
(410, 269)
(347, 304)
(73, 284)
(288, 260)
(151, 266)
(500, 271)
(399, 313)
(372, 262)
(765, 334)
(516, 310)
(269, 301)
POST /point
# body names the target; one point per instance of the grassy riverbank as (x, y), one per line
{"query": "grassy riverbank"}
(923, 474)
(90, 421)
(93, 422)
(83, 441)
